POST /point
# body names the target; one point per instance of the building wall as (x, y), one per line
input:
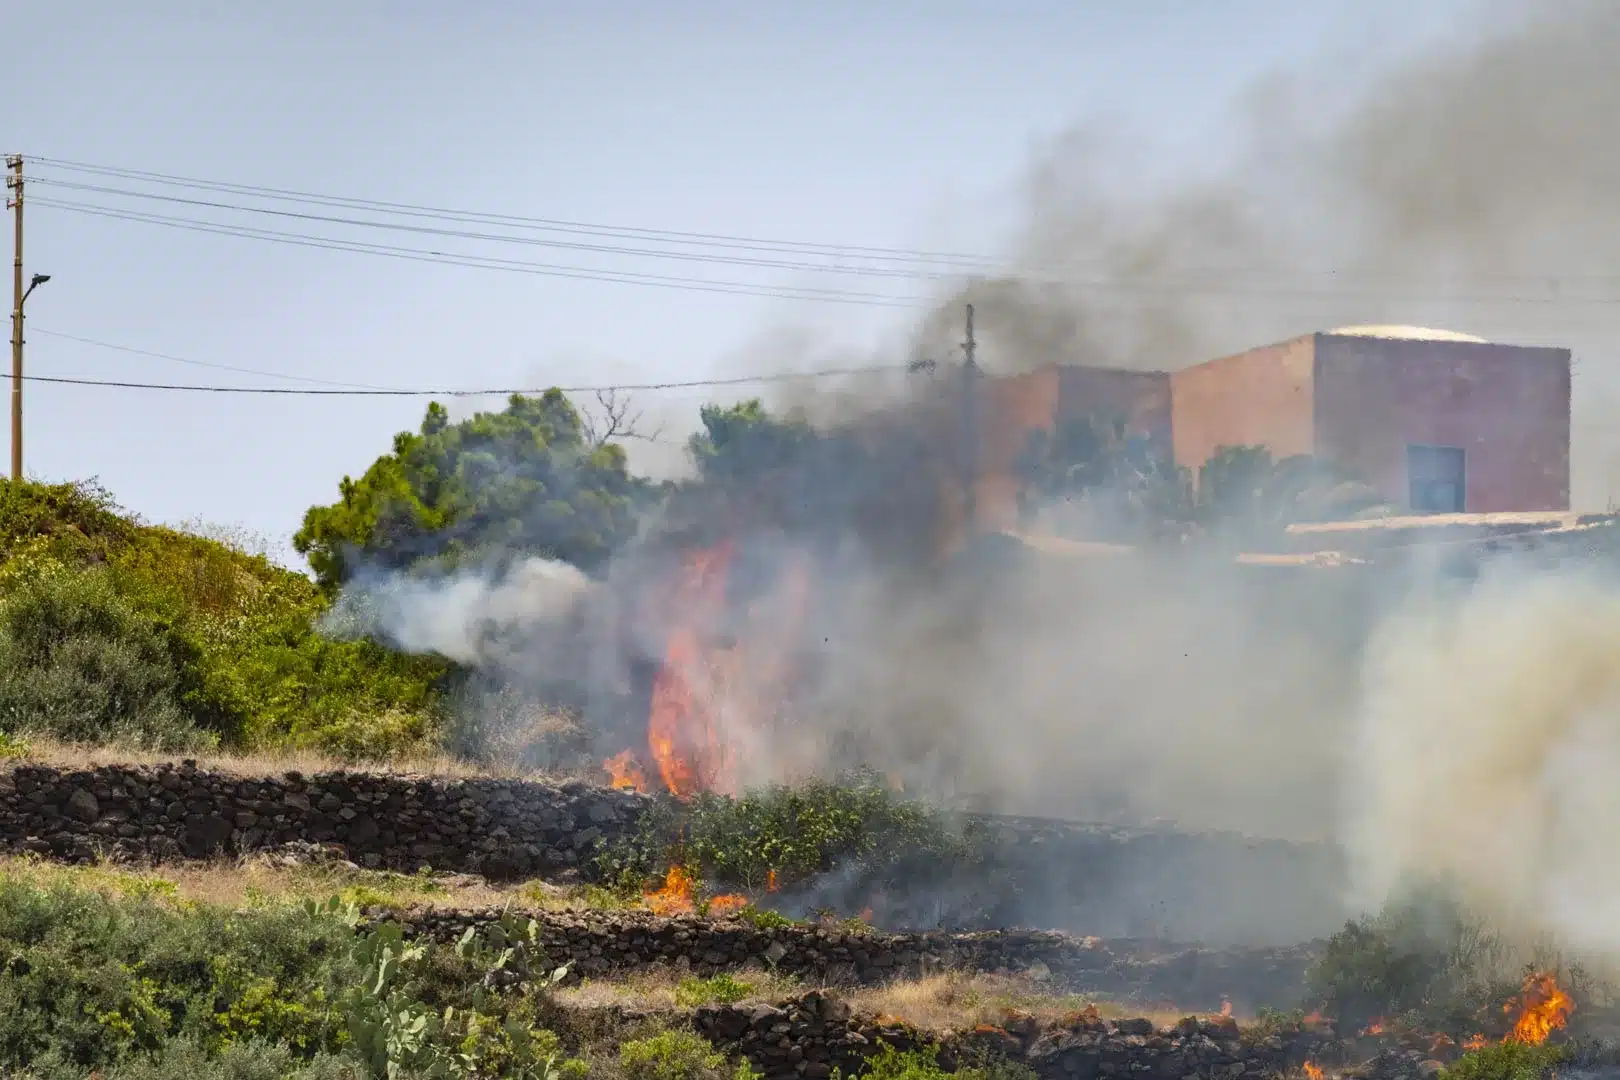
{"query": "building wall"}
(1505, 406)
(1011, 408)
(1140, 398)
(1262, 397)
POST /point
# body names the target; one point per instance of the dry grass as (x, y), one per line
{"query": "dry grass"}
(268, 763)
(956, 1000)
(670, 990)
(248, 881)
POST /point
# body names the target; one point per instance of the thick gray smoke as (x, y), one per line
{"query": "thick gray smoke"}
(1470, 187)
(1473, 188)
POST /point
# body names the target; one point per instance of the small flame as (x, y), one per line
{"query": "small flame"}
(770, 881)
(1374, 1028)
(675, 898)
(865, 915)
(624, 772)
(1474, 1042)
(1226, 1007)
(1545, 1008)
(725, 905)
(1312, 1070)
(1312, 1018)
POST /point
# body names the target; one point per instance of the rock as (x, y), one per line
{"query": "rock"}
(83, 806)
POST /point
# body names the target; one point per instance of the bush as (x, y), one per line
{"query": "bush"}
(794, 832)
(677, 1055)
(1423, 960)
(131, 982)
(124, 632)
(1507, 1061)
(722, 989)
(80, 664)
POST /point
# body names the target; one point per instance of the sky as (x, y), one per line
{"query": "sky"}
(899, 125)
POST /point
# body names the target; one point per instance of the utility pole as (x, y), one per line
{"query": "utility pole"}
(15, 204)
(970, 423)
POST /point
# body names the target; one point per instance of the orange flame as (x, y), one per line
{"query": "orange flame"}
(770, 881)
(1374, 1028)
(682, 727)
(624, 772)
(709, 700)
(1314, 1017)
(725, 905)
(1312, 1070)
(675, 897)
(1544, 1008)
(865, 915)
(1474, 1042)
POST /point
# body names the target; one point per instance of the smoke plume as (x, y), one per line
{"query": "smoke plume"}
(1470, 187)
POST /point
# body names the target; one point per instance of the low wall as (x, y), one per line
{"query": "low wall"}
(813, 1035)
(599, 943)
(1162, 884)
(498, 828)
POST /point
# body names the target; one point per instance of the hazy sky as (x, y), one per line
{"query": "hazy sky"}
(901, 125)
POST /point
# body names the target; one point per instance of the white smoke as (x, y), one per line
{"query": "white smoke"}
(1486, 753)
(482, 619)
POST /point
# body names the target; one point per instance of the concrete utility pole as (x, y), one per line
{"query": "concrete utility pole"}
(970, 424)
(19, 296)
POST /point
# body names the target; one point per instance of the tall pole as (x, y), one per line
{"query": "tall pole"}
(15, 204)
(970, 423)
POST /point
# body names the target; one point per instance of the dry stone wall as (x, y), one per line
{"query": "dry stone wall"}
(812, 1035)
(600, 943)
(1163, 884)
(498, 828)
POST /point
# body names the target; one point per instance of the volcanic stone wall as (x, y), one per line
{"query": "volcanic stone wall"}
(814, 1034)
(600, 943)
(498, 828)
(1215, 888)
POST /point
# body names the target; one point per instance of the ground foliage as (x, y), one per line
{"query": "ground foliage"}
(785, 836)
(114, 631)
(141, 984)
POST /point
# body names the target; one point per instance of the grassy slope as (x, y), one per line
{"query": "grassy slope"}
(253, 672)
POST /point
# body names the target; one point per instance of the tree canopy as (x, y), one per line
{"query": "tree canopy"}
(525, 479)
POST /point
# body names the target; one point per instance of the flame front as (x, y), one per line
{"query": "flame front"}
(683, 730)
(725, 905)
(1544, 1008)
(675, 897)
(1312, 1070)
(624, 772)
(712, 701)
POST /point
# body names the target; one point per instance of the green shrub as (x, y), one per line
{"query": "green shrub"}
(677, 1055)
(161, 632)
(796, 831)
(80, 664)
(1507, 1061)
(720, 989)
(1424, 960)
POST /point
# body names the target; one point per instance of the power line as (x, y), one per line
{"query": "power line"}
(788, 292)
(203, 363)
(682, 384)
(940, 262)
(462, 234)
(483, 262)
(536, 223)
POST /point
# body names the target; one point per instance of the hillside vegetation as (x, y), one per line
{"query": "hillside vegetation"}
(112, 630)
